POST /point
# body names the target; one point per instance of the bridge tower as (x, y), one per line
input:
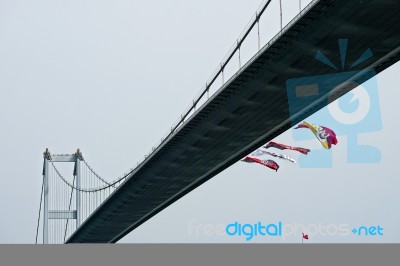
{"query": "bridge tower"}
(75, 158)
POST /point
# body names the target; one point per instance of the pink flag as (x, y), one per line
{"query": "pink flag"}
(325, 135)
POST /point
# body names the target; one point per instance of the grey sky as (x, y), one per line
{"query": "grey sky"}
(111, 77)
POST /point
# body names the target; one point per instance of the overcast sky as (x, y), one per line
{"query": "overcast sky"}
(110, 78)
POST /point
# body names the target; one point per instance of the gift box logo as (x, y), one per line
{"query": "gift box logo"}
(354, 113)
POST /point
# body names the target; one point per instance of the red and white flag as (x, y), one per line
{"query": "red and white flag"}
(281, 156)
(280, 146)
(268, 163)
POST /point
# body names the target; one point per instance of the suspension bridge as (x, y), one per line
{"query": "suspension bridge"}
(68, 202)
(249, 109)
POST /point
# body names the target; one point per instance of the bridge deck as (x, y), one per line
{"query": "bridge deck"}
(248, 111)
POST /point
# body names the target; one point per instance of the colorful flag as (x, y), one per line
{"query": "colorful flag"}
(305, 236)
(280, 146)
(281, 156)
(268, 163)
(325, 135)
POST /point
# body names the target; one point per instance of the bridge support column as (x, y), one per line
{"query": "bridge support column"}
(78, 185)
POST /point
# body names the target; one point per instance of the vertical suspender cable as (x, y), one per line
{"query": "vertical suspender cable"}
(240, 63)
(223, 78)
(58, 203)
(51, 225)
(258, 32)
(280, 6)
(69, 208)
(97, 194)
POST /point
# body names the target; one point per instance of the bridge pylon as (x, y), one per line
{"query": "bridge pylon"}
(49, 214)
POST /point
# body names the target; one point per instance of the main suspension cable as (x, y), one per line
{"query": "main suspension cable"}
(89, 190)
